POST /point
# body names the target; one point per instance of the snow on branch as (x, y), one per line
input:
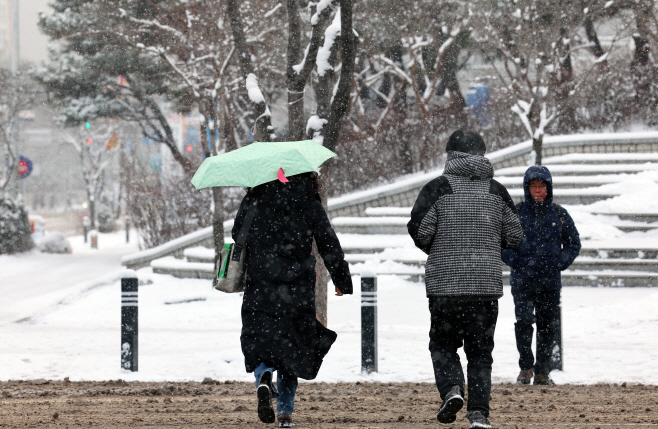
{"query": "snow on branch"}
(271, 12)
(253, 90)
(330, 35)
(393, 68)
(316, 124)
(601, 58)
(322, 5)
(298, 67)
(522, 109)
(152, 23)
(543, 122)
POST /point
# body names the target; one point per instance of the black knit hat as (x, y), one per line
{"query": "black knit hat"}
(467, 142)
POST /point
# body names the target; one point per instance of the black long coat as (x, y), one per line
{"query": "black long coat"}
(279, 327)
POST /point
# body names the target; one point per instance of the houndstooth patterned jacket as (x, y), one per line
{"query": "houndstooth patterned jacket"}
(462, 219)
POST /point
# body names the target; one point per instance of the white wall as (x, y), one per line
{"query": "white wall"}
(33, 42)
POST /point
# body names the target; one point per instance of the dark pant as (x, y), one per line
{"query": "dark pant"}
(543, 308)
(471, 323)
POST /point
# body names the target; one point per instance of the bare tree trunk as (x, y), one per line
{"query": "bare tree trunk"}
(297, 78)
(321, 284)
(564, 87)
(217, 192)
(263, 117)
(597, 49)
(406, 156)
(203, 131)
(295, 84)
(537, 146)
(331, 130)
(341, 100)
(218, 221)
(227, 132)
(92, 212)
(449, 81)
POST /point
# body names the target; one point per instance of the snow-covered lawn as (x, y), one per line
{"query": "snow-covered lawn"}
(610, 334)
(33, 281)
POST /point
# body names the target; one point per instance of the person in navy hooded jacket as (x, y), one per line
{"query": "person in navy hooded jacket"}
(551, 243)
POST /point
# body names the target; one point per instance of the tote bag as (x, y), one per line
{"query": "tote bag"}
(229, 274)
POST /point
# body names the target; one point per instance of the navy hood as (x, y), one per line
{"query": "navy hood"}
(542, 173)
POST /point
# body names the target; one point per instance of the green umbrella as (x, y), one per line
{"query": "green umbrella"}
(260, 163)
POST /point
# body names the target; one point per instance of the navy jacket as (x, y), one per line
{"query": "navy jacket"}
(548, 246)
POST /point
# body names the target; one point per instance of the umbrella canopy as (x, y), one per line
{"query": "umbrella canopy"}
(260, 163)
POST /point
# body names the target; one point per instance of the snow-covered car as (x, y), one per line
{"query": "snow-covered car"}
(54, 242)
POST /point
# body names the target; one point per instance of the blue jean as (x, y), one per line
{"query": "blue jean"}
(284, 391)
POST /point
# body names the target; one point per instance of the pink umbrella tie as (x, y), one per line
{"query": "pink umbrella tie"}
(282, 177)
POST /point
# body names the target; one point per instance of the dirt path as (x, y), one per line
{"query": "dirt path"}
(117, 404)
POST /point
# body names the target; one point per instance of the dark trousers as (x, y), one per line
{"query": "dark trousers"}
(471, 324)
(543, 308)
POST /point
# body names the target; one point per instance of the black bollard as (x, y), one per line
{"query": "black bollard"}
(368, 324)
(85, 226)
(129, 323)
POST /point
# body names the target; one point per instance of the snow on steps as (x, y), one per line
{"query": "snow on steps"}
(406, 211)
(172, 248)
(569, 278)
(602, 158)
(181, 268)
(611, 278)
(583, 169)
(398, 225)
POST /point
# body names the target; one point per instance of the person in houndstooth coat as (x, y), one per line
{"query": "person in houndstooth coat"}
(462, 220)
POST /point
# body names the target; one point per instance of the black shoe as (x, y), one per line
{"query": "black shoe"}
(264, 393)
(452, 403)
(478, 421)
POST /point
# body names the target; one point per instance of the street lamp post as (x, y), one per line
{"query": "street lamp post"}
(15, 58)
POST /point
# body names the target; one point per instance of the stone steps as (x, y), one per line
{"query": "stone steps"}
(569, 278)
(406, 211)
(582, 263)
(398, 225)
(601, 158)
(564, 182)
(583, 169)
(577, 277)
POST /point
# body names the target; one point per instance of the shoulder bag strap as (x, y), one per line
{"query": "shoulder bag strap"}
(246, 225)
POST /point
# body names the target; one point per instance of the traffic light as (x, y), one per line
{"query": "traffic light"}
(87, 124)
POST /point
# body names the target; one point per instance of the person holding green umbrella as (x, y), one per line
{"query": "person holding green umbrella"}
(280, 332)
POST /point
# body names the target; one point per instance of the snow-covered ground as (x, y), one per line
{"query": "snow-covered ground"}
(189, 331)
(60, 314)
(34, 281)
